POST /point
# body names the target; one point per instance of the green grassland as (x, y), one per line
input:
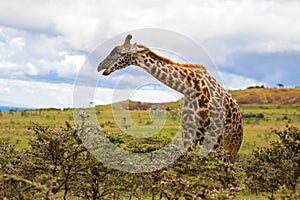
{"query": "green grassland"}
(258, 122)
(14, 124)
(141, 130)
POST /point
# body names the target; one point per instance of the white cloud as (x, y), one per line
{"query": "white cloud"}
(18, 43)
(70, 64)
(251, 25)
(233, 81)
(23, 53)
(61, 95)
(8, 68)
(38, 38)
(31, 69)
(36, 94)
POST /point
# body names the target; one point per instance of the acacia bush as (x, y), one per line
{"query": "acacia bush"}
(53, 167)
(58, 166)
(276, 169)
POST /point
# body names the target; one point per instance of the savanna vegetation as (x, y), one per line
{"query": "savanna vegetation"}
(42, 156)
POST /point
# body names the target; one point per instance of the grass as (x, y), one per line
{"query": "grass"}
(258, 121)
(256, 130)
(14, 125)
(257, 127)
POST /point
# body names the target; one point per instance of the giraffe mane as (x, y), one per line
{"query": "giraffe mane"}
(171, 62)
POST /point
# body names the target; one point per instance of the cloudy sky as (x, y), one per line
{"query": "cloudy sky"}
(45, 44)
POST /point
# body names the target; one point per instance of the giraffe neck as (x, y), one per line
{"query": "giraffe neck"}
(172, 74)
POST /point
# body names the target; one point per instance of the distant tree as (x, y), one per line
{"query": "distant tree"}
(91, 103)
(0, 113)
(280, 85)
(256, 86)
(11, 111)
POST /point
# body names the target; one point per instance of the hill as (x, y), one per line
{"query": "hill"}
(279, 96)
(282, 96)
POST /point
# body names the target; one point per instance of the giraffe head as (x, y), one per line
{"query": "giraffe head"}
(121, 56)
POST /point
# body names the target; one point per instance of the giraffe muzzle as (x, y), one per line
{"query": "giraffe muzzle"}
(101, 66)
(106, 67)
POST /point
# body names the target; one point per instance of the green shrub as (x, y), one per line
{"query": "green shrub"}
(276, 168)
(57, 165)
(256, 86)
(253, 115)
(195, 178)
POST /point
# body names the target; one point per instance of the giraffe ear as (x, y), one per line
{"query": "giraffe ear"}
(132, 48)
(127, 44)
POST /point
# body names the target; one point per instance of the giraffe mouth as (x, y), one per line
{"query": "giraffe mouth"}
(104, 66)
(107, 72)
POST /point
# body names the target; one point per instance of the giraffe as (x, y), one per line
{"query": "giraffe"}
(209, 113)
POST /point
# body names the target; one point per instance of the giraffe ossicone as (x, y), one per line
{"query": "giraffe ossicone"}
(210, 116)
